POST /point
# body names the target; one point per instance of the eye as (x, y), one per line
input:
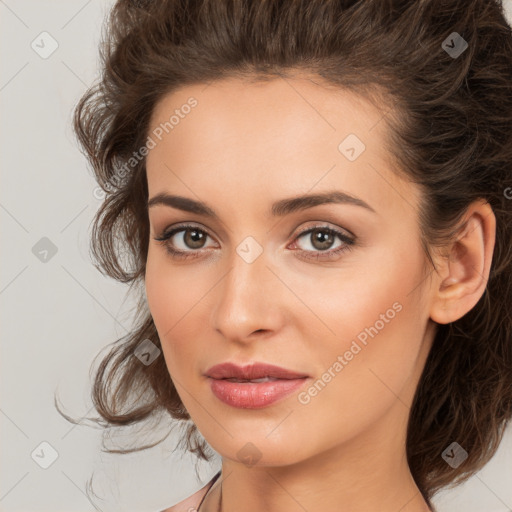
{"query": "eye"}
(190, 237)
(320, 239)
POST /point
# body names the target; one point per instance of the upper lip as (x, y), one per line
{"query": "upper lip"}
(251, 371)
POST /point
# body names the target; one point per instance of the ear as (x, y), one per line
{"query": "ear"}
(463, 271)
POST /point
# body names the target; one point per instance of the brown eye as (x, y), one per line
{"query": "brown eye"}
(184, 241)
(319, 243)
(322, 238)
(194, 238)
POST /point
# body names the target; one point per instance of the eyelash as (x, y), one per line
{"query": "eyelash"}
(348, 242)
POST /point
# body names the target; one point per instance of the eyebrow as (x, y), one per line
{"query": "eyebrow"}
(279, 208)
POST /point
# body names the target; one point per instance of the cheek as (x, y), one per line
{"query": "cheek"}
(375, 295)
(172, 290)
(379, 323)
(172, 301)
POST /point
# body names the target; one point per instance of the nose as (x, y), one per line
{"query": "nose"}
(249, 301)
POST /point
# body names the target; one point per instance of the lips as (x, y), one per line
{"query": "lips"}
(252, 372)
(253, 386)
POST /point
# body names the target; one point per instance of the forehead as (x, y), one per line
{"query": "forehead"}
(273, 112)
(280, 137)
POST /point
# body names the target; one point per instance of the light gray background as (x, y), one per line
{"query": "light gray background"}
(58, 314)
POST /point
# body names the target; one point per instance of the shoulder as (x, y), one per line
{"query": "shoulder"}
(192, 501)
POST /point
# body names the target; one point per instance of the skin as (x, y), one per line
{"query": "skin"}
(243, 147)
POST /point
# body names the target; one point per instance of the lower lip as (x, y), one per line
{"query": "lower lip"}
(253, 395)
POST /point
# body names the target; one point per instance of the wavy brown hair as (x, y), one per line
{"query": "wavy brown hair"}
(450, 132)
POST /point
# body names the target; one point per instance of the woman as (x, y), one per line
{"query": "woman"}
(315, 197)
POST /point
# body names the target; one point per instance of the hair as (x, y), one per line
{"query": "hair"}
(450, 133)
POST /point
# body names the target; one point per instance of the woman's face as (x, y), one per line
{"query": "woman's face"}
(348, 308)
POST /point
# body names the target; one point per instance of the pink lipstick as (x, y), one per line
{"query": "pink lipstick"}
(253, 386)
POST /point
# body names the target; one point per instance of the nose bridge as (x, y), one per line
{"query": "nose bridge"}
(244, 301)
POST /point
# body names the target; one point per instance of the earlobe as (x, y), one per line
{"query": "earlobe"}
(463, 273)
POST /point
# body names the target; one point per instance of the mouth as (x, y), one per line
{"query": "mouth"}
(253, 386)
